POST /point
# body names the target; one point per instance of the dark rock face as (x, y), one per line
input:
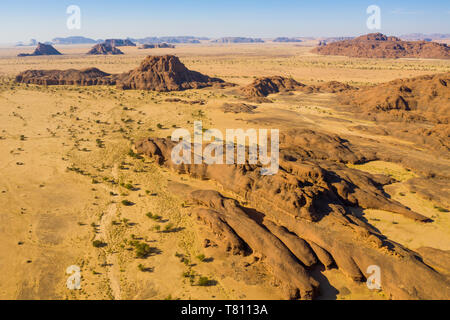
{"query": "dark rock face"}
(300, 218)
(42, 50)
(120, 43)
(104, 49)
(377, 45)
(165, 73)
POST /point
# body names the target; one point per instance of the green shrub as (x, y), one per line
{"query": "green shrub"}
(440, 209)
(127, 203)
(142, 249)
(201, 257)
(203, 281)
(168, 227)
(153, 216)
(97, 243)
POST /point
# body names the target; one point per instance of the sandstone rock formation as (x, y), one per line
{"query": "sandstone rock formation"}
(262, 87)
(42, 50)
(424, 97)
(104, 49)
(377, 45)
(119, 43)
(159, 73)
(299, 218)
(165, 73)
(85, 77)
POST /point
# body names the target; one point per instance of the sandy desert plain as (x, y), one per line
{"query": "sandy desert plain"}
(67, 173)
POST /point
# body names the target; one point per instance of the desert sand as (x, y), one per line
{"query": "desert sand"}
(74, 170)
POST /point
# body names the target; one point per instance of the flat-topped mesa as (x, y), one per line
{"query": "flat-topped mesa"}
(165, 73)
(104, 49)
(156, 46)
(85, 77)
(119, 43)
(42, 49)
(238, 40)
(376, 37)
(377, 45)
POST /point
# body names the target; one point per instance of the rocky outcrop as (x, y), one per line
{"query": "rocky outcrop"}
(119, 43)
(85, 77)
(377, 45)
(165, 73)
(299, 218)
(158, 73)
(424, 97)
(262, 87)
(42, 50)
(104, 49)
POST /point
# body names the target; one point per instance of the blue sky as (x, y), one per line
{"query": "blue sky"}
(21, 20)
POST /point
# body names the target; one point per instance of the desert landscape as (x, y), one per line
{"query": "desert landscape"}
(88, 179)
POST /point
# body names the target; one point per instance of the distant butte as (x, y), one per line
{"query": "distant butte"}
(104, 49)
(42, 49)
(378, 45)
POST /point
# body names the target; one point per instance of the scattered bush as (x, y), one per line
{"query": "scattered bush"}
(97, 243)
(168, 227)
(440, 209)
(127, 203)
(204, 281)
(201, 257)
(153, 216)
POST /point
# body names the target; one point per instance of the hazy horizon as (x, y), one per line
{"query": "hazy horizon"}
(47, 19)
